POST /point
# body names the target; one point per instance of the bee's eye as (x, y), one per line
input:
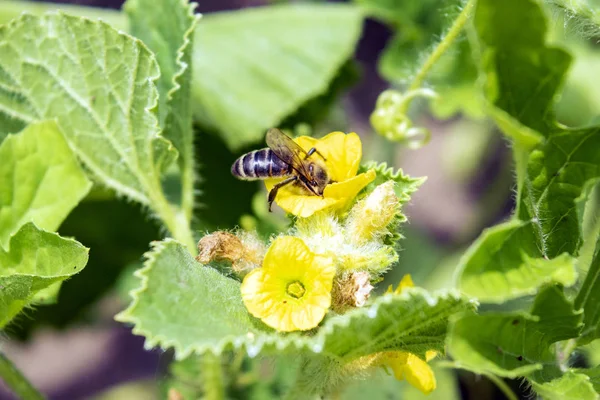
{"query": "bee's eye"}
(314, 183)
(310, 168)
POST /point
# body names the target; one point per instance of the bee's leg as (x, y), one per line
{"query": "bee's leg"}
(273, 191)
(312, 151)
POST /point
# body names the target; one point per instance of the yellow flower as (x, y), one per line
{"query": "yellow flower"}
(410, 367)
(292, 290)
(342, 153)
(405, 282)
(407, 365)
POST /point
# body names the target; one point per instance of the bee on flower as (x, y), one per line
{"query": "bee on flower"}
(307, 175)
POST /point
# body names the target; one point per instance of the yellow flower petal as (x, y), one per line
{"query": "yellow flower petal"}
(292, 291)
(410, 367)
(336, 195)
(343, 153)
(350, 187)
(405, 282)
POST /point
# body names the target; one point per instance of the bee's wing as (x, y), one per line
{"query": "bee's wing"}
(287, 150)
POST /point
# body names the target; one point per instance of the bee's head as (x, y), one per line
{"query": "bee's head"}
(319, 178)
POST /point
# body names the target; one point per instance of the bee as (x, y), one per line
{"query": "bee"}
(283, 158)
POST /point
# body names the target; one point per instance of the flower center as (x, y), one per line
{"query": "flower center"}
(295, 289)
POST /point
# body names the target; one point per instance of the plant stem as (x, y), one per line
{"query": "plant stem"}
(444, 45)
(175, 220)
(212, 377)
(510, 395)
(13, 378)
(187, 190)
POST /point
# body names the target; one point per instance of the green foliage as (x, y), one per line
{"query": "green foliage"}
(40, 183)
(51, 66)
(171, 278)
(581, 16)
(181, 303)
(570, 386)
(505, 262)
(554, 164)
(418, 32)
(33, 261)
(515, 344)
(270, 73)
(404, 186)
(170, 36)
(91, 101)
(557, 169)
(40, 180)
(588, 299)
(594, 375)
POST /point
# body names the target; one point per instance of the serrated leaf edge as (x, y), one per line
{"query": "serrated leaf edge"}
(255, 342)
(398, 175)
(106, 180)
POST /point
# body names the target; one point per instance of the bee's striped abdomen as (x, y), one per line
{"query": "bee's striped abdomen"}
(259, 164)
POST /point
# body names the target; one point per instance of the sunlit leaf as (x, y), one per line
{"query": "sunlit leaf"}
(254, 67)
(183, 304)
(594, 375)
(555, 165)
(33, 261)
(515, 344)
(99, 85)
(170, 36)
(570, 386)
(505, 262)
(40, 180)
(588, 298)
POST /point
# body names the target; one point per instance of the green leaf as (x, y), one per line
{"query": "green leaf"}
(581, 16)
(594, 375)
(405, 185)
(555, 165)
(588, 298)
(40, 179)
(524, 99)
(414, 321)
(515, 344)
(245, 83)
(557, 174)
(588, 215)
(570, 386)
(99, 85)
(170, 36)
(34, 261)
(183, 304)
(505, 263)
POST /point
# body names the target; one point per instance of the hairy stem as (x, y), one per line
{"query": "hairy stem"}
(443, 46)
(13, 378)
(504, 388)
(175, 220)
(187, 190)
(212, 377)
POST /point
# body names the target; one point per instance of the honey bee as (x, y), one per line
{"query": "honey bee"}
(283, 158)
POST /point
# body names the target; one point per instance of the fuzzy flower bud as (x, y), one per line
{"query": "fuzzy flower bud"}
(352, 290)
(370, 217)
(243, 250)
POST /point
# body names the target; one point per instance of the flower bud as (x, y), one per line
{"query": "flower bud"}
(220, 246)
(352, 290)
(370, 217)
(244, 251)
